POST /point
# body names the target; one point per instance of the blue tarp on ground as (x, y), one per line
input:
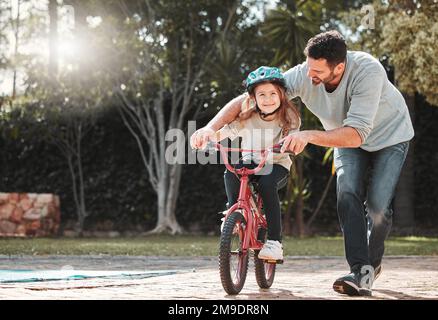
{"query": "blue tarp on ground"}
(10, 276)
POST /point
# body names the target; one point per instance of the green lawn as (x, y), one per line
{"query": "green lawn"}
(197, 246)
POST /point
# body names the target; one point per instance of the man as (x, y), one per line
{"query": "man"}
(367, 121)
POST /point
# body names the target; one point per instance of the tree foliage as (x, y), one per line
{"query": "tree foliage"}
(410, 41)
(405, 37)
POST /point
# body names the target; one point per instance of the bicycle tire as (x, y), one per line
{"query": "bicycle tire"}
(264, 272)
(235, 221)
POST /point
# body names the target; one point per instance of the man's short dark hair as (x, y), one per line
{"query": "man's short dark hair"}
(328, 45)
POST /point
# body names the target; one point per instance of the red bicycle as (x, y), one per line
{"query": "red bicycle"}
(244, 229)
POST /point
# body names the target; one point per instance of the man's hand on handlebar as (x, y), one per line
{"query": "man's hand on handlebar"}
(295, 142)
(277, 148)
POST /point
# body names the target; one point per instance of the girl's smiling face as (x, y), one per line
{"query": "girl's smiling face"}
(267, 97)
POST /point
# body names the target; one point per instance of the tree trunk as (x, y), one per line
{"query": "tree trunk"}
(299, 206)
(80, 173)
(165, 178)
(287, 223)
(404, 209)
(81, 38)
(53, 40)
(166, 209)
(320, 202)
(79, 221)
(161, 204)
(70, 147)
(17, 38)
(172, 198)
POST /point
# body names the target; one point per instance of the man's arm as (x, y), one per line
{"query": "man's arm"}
(227, 114)
(359, 121)
(345, 137)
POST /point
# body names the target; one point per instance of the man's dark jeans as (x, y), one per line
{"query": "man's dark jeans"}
(365, 205)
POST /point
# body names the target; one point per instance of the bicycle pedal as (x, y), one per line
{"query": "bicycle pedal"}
(274, 261)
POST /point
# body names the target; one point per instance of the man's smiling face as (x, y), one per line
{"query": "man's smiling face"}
(321, 72)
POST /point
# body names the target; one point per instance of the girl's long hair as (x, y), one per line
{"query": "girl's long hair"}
(287, 113)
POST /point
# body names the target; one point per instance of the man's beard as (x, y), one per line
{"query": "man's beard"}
(330, 77)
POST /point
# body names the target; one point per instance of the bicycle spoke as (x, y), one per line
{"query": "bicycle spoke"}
(236, 253)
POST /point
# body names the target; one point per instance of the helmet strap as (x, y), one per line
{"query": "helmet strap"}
(265, 115)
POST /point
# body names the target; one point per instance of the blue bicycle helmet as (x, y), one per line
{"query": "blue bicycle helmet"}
(264, 74)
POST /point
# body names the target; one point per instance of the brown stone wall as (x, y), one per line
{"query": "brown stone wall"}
(29, 214)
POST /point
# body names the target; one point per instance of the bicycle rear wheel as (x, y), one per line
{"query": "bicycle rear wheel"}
(233, 262)
(264, 271)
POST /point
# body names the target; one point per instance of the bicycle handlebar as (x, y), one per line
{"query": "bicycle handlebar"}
(264, 153)
(276, 148)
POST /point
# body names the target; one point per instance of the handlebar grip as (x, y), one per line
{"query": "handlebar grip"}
(276, 148)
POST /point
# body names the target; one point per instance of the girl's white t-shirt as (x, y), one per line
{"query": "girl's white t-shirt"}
(257, 133)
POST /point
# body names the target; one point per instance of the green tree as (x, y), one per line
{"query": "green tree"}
(68, 125)
(165, 82)
(410, 35)
(287, 29)
(68, 99)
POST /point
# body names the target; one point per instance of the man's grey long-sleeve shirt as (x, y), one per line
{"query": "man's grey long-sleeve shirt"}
(365, 99)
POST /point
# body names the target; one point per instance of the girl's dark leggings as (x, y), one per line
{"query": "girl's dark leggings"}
(268, 186)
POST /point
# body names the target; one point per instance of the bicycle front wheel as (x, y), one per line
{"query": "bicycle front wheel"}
(233, 262)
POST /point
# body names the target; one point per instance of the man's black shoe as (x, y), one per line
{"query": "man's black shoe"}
(358, 283)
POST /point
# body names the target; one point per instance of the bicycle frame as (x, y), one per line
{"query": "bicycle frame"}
(243, 221)
(250, 207)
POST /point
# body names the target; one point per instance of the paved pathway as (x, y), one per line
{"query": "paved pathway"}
(198, 278)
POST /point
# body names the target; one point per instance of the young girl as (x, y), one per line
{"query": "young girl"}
(266, 117)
